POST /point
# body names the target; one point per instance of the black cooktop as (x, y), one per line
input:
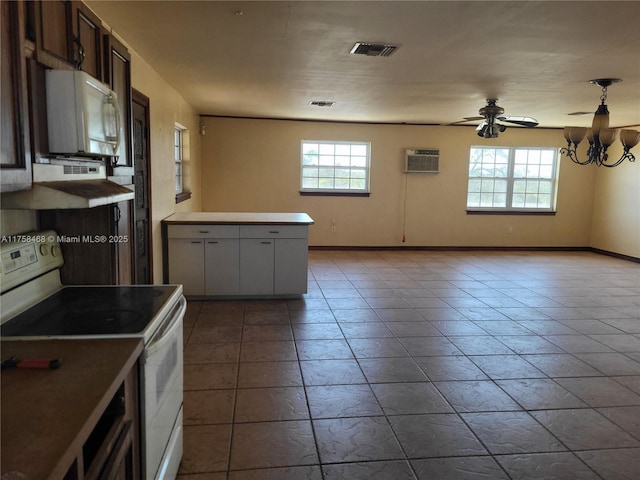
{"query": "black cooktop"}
(91, 311)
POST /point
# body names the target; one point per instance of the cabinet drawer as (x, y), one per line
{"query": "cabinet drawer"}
(273, 231)
(202, 231)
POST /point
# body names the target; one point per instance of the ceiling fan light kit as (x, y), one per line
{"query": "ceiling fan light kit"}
(491, 114)
(600, 136)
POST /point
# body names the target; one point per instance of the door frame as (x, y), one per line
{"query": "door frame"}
(141, 99)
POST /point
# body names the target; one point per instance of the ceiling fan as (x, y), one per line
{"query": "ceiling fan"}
(491, 113)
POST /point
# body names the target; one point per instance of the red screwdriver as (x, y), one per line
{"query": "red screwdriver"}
(13, 362)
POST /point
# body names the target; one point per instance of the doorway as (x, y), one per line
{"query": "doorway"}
(143, 253)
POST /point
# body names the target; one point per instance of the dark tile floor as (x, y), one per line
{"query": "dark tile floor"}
(421, 365)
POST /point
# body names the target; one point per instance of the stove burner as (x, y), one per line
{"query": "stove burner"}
(143, 293)
(109, 321)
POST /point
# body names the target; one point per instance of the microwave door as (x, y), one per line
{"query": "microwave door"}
(102, 120)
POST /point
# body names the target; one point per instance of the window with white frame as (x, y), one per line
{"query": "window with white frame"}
(335, 167)
(512, 179)
(178, 146)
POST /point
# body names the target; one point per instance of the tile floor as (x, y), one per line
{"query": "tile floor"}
(421, 365)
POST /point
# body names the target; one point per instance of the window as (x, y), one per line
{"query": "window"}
(512, 179)
(177, 147)
(181, 154)
(335, 167)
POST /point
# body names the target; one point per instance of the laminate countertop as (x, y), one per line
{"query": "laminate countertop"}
(47, 415)
(238, 218)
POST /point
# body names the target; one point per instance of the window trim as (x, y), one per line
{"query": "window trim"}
(508, 210)
(183, 194)
(337, 192)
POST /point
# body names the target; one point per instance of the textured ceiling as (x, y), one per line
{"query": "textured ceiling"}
(270, 59)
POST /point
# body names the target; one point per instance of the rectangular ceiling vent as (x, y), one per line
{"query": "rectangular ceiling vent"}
(422, 160)
(373, 49)
(322, 103)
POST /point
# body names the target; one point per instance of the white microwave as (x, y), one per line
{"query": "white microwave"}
(82, 115)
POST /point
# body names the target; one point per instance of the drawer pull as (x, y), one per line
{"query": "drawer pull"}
(212, 242)
(196, 241)
(274, 231)
(266, 243)
(203, 231)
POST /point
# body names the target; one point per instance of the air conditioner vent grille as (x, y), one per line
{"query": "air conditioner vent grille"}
(422, 160)
(79, 170)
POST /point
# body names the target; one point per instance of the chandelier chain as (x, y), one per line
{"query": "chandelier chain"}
(603, 97)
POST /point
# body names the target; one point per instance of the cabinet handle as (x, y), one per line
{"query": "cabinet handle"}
(212, 242)
(203, 231)
(81, 54)
(274, 231)
(266, 243)
(196, 241)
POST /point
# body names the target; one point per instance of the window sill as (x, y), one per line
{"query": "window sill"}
(511, 212)
(181, 197)
(335, 194)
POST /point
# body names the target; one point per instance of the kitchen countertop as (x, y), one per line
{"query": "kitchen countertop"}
(48, 414)
(234, 218)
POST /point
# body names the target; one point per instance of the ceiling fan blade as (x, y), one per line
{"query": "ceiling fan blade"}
(481, 126)
(524, 121)
(466, 120)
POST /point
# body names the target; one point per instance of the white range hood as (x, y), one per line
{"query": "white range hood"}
(67, 183)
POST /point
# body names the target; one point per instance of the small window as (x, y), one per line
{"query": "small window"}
(335, 167)
(181, 155)
(512, 179)
(178, 155)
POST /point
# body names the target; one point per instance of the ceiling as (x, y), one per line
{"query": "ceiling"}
(271, 58)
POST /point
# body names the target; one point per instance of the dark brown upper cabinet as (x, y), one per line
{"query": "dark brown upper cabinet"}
(118, 77)
(15, 142)
(68, 35)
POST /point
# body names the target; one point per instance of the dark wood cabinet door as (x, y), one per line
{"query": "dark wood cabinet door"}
(91, 261)
(68, 35)
(118, 77)
(15, 154)
(87, 37)
(54, 33)
(123, 240)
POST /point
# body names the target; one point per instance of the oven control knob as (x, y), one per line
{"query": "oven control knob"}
(55, 250)
(44, 250)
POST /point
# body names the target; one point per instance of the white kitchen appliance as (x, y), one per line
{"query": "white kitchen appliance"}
(34, 305)
(82, 114)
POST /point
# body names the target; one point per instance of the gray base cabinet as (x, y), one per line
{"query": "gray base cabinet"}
(221, 265)
(238, 260)
(186, 264)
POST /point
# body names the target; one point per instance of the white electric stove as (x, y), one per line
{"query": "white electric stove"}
(35, 305)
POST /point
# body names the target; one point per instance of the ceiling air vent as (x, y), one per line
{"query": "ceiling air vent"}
(373, 49)
(322, 103)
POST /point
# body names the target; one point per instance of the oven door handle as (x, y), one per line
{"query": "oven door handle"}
(165, 332)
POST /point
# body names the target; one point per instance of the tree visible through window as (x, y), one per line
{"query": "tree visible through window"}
(335, 166)
(512, 178)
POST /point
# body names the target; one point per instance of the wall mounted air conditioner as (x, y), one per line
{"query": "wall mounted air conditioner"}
(422, 160)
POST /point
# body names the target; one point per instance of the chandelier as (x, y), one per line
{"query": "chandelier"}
(600, 136)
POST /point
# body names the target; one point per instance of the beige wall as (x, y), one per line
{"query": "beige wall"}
(253, 165)
(616, 206)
